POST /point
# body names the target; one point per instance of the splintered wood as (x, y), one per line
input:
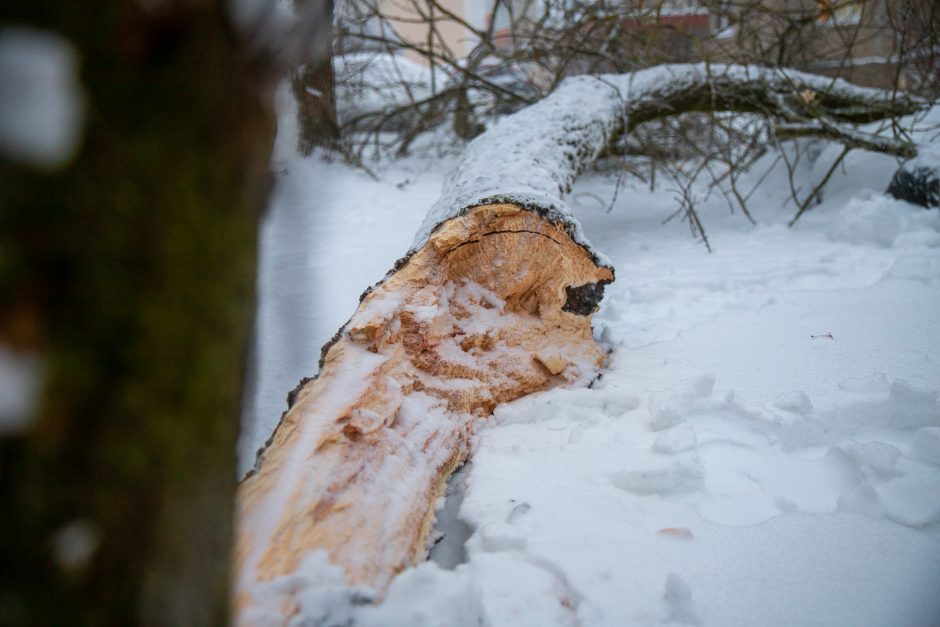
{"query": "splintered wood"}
(478, 316)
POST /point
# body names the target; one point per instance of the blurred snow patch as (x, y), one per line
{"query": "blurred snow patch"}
(41, 106)
(75, 543)
(927, 444)
(429, 596)
(287, 33)
(680, 438)
(319, 589)
(684, 475)
(891, 485)
(876, 382)
(19, 384)
(867, 221)
(797, 402)
(669, 407)
(678, 597)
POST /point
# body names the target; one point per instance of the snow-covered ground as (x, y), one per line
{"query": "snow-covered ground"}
(763, 449)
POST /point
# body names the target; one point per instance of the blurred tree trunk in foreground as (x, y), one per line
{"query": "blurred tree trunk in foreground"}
(313, 80)
(131, 273)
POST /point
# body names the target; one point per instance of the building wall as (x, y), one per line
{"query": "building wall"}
(858, 41)
(451, 39)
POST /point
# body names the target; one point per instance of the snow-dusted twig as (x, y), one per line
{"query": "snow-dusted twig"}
(814, 193)
(847, 136)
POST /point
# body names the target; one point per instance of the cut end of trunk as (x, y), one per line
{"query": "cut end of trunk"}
(494, 306)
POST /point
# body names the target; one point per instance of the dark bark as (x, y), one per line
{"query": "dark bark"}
(313, 81)
(772, 92)
(465, 124)
(918, 184)
(131, 274)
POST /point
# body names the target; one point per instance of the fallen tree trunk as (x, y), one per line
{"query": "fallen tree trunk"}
(483, 313)
(492, 302)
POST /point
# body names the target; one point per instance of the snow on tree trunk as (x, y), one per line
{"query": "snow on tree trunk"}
(493, 301)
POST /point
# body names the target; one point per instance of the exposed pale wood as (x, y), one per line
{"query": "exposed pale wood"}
(475, 318)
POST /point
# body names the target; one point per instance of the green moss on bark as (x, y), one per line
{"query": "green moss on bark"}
(136, 267)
